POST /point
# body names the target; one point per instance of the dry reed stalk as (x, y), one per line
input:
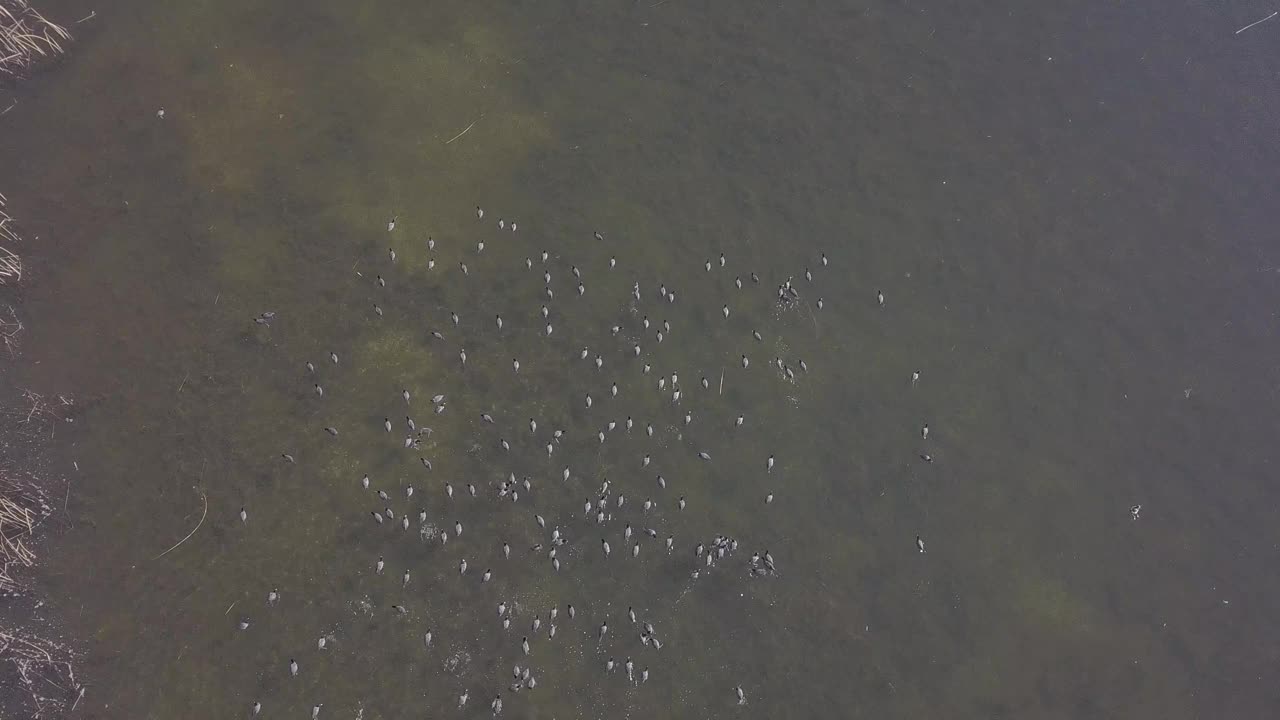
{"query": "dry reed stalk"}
(26, 37)
(10, 263)
(22, 506)
(10, 328)
(43, 670)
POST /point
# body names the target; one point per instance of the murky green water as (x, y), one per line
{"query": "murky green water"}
(1066, 208)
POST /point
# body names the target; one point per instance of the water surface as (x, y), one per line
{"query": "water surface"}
(1066, 208)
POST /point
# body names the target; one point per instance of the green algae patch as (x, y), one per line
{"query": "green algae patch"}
(1048, 602)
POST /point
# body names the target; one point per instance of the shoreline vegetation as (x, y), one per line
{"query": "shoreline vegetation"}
(26, 38)
(37, 675)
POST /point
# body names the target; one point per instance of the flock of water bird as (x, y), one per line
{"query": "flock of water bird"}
(607, 518)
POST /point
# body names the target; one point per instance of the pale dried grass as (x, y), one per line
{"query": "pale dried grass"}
(26, 37)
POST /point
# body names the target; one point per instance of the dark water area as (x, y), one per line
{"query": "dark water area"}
(1067, 208)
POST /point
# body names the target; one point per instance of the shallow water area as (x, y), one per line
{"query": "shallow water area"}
(1062, 208)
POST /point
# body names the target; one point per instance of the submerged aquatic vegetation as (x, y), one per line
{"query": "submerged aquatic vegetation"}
(489, 435)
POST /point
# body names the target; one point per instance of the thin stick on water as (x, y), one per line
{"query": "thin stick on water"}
(184, 382)
(229, 607)
(1258, 22)
(721, 381)
(205, 499)
(464, 132)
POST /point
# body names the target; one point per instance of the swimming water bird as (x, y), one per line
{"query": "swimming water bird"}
(293, 668)
(604, 629)
(244, 516)
(462, 354)
(386, 424)
(880, 298)
(392, 253)
(319, 390)
(924, 432)
(919, 543)
(745, 362)
(769, 464)
(377, 568)
(1134, 511)
(915, 377)
(604, 544)
(742, 697)
(462, 699)
(332, 431)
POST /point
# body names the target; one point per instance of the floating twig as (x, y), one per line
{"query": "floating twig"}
(1258, 22)
(204, 498)
(464, 132)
